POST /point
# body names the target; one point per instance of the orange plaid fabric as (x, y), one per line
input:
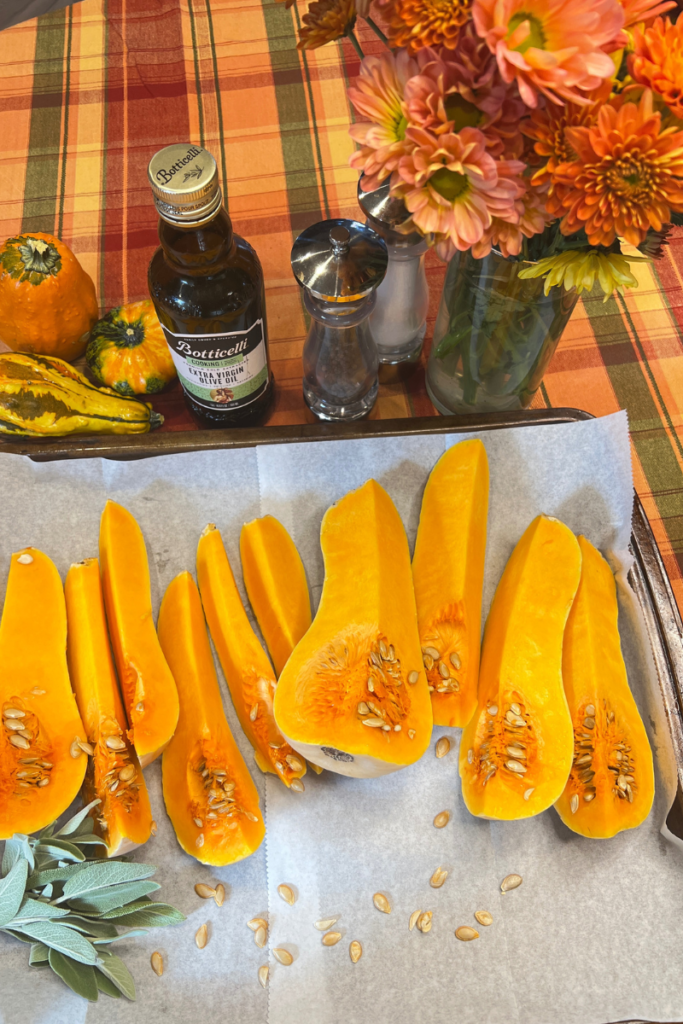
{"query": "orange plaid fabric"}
(89, 93)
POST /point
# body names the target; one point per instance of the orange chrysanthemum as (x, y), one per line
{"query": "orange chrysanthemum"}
(325, 21)
(658, 61)
(547, 127)
(627, 175)
(418, 23)
(638, 11)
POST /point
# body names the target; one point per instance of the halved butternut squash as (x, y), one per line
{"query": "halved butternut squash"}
(516, 752)
(149, 691)
(210, 796)
(275, 580)
(611, 786)
(123, 816)
(448, 574)
(39, 777)
(245, 664)
(353, 696)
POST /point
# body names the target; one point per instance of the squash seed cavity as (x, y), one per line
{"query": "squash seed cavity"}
(443, 645)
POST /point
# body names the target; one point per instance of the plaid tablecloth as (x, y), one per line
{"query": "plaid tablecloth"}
(89, 93)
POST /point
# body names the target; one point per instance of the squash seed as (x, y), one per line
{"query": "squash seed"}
(157, 962)
(326, 923)
(250, 816)
(25, 559)
(14, 713)
(432, 652)
(126, 774)
(355, 951)
(294, 763)
(253, 713)
(424, 922)
(19, 741)
(260, 937)
(442, 819)
(493, 710)
(574, 803)
(283, 956)
(154, 829)
(206, 892)
(14, 725)
(363, 709)
(510, 882)
(443, 670)
(44, 782)
(37, 692)
(256, 923)
(515, 766)
(590, 710)
(202, 936)
(199, 841)
(455, 660)
(528, 792)
(414, 917)
(443, 745)
(483, 917)
(297, 785)
(466, 934)
(286, 893)
(589, 723)
(374, 723)
(381, 903)
(438, 878)
(331, 938)
(263, 975)
(413, 677)
(411, 734)
(113, 742)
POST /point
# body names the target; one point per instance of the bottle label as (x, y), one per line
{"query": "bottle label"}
(221, 371)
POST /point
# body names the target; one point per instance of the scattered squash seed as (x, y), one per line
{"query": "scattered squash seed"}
(424, 922)
(256, 923)
(466, 934)
(326, 923)
(263, 975)
(355, 951)
(206, 892)
(219, 895)
(157, 962)
(483, 917)
(260, 937)
(283, 956)
(510, 882)
(381, 903)
(286, 893)
(202, 936)
(331, 938)
(438, 878)
(414, 917)
(443, 745)
(442, 819)
(153, 830)
(297, 785)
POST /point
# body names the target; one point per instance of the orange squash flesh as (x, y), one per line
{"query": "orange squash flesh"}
(149, 690)
(123, 816)
(360, 661)
(448, 574)
(516, 752)
(611, 785)
(210, 796)
(38, 776)
(245, 664)
(275, 580)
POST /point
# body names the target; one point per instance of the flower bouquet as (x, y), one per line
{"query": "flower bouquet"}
(529, 141)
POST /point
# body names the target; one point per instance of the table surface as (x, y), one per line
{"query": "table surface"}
(89, 93)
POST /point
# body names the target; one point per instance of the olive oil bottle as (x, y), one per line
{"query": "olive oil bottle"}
(207, 286)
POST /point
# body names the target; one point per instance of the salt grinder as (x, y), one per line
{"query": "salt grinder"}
(399, 319)
(339, 264)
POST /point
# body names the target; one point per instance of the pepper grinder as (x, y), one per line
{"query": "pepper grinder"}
(399, 319)
(339, 264)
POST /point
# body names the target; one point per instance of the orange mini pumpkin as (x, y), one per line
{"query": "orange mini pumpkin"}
(128, 351)
(47, 300)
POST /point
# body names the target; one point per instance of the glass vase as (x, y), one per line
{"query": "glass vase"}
(494, 336)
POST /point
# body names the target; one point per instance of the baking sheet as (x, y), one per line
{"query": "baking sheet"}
(594, 932)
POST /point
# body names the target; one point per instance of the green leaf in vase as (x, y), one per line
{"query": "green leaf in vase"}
(78, 976)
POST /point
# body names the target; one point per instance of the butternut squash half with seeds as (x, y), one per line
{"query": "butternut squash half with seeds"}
(149, 690)
(123, 816)
(611, 784)
(448, 573)
(245, 664)
(39, 776)
(275, 581)
(210, 796)
(516, 752)
(353, 696)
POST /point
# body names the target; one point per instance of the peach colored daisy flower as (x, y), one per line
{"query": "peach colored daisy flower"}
(419, 23)
(452, 188)
(378, 95)
(506, 236)
(658, 61)
(627, 176)
(554, 47)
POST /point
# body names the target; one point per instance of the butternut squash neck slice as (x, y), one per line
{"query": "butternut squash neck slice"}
(275, 580)
(611, 784)
(245, 664)
(448, 573)
(40, 721)
(516, 752)
(210, 796)
(353, 696)
(149, 691)
(123, 816)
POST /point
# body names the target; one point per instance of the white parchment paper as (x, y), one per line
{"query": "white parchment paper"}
(595, 933)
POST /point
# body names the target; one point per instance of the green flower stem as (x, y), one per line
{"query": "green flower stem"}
(377, 30)
(354, 41)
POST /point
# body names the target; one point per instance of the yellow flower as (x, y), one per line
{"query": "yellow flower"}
(580, 269)
(325, 21)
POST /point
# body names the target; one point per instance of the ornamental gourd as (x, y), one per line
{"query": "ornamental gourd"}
(127, 350)
(123, 816)
(448, 574)
(611, 784)
(47, 300)
(353, 696)
(210, 796)
(39, 776)
(516, 751)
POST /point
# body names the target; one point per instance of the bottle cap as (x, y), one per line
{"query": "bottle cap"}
(184, 180)
(385, 213)
(339, 260)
